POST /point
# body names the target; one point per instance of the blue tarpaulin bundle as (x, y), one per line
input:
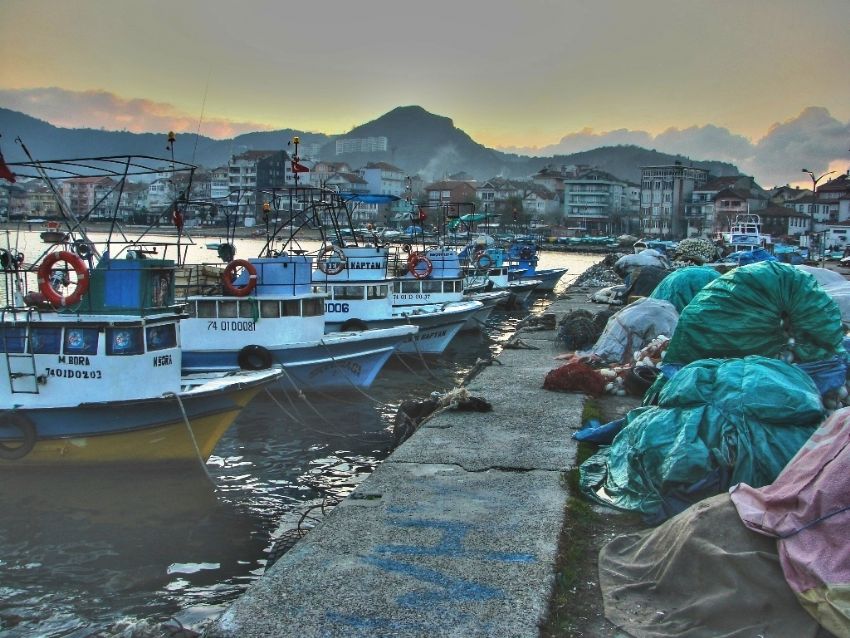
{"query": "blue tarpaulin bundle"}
(717, 423)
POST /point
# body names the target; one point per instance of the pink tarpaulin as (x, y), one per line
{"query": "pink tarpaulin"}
(807, 508)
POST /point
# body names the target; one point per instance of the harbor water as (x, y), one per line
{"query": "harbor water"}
(125, 551)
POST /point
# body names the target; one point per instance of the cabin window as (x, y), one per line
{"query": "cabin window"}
(227, 309)
(397, 287)
(290, 308)
(46, 340)
(80, 341)
(314, 307)
(248, 309)
(161, 337)
(348, 292)
(377, 292)
(410, 286)
(12, 339)
(206, 310)
(270, 309)
(124, 341)
(430, 285)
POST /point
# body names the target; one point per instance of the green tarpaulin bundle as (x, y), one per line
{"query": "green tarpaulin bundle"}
(680, 286)
(717, 423)
(767, 308)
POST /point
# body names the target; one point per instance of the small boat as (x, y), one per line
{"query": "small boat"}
(486, 268)
(523, 260)
(745, 242)
(267, 312)
(75, 349)
(53, 234)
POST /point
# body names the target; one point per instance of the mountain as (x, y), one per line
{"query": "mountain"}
(419, 143)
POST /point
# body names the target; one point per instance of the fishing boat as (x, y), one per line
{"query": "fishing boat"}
(523, 260)
(486, 267)
(745, 243)
(352, 271)
(268, 312)
(72, 364)
(434, 275)
(361, 294)
(91, 364)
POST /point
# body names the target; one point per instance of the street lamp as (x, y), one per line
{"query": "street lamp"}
(815, 181)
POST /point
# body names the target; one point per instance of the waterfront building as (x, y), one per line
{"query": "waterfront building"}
(79, 192)
(664, 192)
(713, 206)
(783, 223)
(595, 201)
(219, 183)
(383, 178)
(443, 192)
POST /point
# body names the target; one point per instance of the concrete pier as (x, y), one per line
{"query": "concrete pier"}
(455, 534)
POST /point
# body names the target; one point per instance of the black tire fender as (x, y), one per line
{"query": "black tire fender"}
(27, 429)
(254, 357)
(353, 325)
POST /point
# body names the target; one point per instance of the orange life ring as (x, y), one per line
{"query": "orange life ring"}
(331, 268)
(46, 268)
(229, 275)
(420, 259)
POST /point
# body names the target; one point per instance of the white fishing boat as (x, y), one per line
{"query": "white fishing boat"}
(361, 294)
(487, 267)
(268, 312)
(77, 335)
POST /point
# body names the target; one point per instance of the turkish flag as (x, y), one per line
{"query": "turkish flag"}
(299, 168)
(5, 173)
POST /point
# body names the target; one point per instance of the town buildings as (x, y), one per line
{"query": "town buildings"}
(671, 201)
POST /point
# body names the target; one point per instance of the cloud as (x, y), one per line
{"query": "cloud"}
(813, 139)
(79, 109)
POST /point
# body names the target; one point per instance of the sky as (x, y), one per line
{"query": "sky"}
(761, 83)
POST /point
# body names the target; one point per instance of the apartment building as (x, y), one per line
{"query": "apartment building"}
(361, 145)
(664, 192)
(595, 202)
(383, 178)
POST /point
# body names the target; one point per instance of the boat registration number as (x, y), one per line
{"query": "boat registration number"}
(408, 296)
(67, 373)
(232, 326)
(336, 307)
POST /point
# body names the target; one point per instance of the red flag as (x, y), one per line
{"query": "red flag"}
(299, 168)
(5, 173)
(422, 215)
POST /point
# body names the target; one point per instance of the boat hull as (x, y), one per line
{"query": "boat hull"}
(337, 361)
(548, 278)
(436, 329)
(491, 301)
(129, 432)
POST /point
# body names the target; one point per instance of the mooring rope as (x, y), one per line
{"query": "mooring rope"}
(191, 435)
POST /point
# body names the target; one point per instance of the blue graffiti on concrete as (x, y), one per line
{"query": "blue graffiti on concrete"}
(453, 589)
(451, 544)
